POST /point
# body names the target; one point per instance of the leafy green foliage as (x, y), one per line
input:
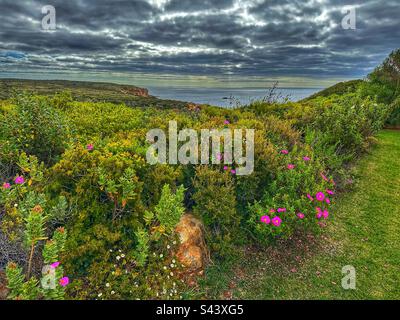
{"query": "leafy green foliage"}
(35, 127)
(170, 208)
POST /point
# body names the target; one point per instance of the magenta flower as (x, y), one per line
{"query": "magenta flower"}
(6, 185)
(55, 264)
(226, 122)
(329, 192)
(328, 201)
(319, 213)
(290, 166)
(64, 281)
(284, 151)
(19, 180)
(306, 159)
(90, 147)
(281, 210)
(309, 197)
(276, 221)
(324, 177)
(226, 168)
(233, 171)
(320, 196)
(265, 219)
(272, 211)
(325, 214)
(300, 215)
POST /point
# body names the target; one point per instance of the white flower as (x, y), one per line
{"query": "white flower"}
(161, 255)
(165, 268)
(111, 250)
(172, 274)
(172, 265)
(107, 285)
(122, 255)
(174, 242)
(168, 246)
(16, 205)
(173, 261)
(100, 294)
(112, 292)
(118, 257)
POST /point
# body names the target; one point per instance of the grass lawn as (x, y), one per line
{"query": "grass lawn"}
(363, 231)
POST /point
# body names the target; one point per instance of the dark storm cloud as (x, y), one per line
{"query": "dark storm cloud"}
(220, 37)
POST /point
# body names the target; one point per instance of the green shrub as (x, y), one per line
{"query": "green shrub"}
(35, 127)
(215, 204)
(300, 174)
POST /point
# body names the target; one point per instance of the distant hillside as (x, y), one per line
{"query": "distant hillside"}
(339, 88)
(89, 91)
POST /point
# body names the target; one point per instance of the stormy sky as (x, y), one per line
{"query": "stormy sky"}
(213, 42)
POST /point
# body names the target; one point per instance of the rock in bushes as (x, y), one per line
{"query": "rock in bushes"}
(192, 252)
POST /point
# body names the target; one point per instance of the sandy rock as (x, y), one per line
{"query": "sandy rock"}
(192, 252)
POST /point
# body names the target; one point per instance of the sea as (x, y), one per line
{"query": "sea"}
(229, 98)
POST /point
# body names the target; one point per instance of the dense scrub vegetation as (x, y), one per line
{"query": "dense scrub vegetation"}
(78, 170)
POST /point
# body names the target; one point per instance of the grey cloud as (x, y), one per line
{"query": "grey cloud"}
(220, 37)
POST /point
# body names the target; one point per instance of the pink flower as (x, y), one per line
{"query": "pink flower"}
(325, 214)
(265, 219)
(329, 192)
(320, 196)
(309, 197)
(90, 147)
(226, 122)
(219, 156)
(281, 210)
(226, 168)
(272, 211)
(55, 264)
(6, 185)
(233, 171)
(306, 159)
(300, 215)
(328, 201)
(284, 151)
(290, 166)
(324, 177)
(19, 180)
(64, 281)
(276, 221)
(319, 213)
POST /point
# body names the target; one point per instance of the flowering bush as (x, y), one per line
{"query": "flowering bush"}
(291, 200)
